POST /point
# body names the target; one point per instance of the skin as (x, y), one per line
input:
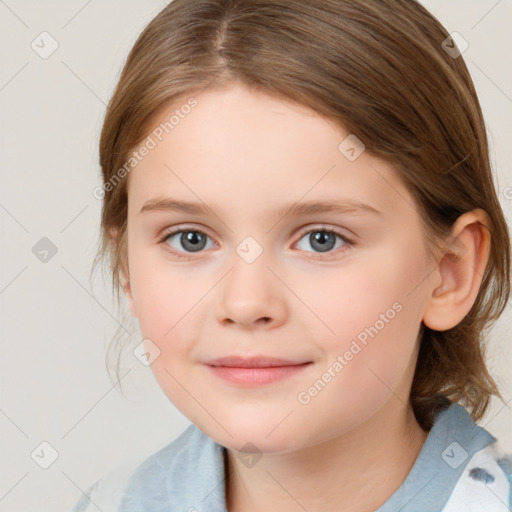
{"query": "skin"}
(246, 155)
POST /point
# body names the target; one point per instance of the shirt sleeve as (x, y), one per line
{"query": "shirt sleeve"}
(105, 493)
(85, 504)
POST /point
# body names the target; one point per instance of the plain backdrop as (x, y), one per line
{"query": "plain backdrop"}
(55, 326)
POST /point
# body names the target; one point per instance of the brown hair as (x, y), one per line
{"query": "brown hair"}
(379, 70)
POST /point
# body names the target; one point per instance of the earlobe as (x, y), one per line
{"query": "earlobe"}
(461, 269)
(128, 292)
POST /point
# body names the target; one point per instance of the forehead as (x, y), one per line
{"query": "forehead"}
(241, 148)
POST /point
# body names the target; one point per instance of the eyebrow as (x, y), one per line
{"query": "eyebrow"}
(305, 208)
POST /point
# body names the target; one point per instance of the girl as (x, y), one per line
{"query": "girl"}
(300, 210)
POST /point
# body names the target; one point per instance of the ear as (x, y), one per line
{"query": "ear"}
(128, 292)
(461, 271)
(124, 276)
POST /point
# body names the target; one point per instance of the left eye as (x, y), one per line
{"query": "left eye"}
(323, 240)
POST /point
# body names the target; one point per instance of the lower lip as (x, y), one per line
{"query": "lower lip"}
(256, 376)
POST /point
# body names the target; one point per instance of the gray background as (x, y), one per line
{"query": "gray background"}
(54, 325)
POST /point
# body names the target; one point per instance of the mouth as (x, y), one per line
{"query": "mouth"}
(255, 371)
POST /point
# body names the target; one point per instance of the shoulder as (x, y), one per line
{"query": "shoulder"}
(187, 474)
(105, 493)
(130, 485)
(485, 484)
(461, 467)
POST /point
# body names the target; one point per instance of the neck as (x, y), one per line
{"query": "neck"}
(360, 469)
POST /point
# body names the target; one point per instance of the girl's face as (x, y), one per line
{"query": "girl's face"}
(339, 290)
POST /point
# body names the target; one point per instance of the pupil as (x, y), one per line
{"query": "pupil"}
(322, 241)
(191, 240)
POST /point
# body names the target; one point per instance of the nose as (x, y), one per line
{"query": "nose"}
(251, 296)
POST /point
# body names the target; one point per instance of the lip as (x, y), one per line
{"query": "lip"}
(252, 362)
(254, 371)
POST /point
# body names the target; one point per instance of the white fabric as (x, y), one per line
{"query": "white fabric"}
(472, 495)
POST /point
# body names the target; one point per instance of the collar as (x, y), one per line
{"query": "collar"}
(451, 443)
(188, 474)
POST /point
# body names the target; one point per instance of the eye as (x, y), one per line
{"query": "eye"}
(185, 240)
(181, 242)
(324, 240)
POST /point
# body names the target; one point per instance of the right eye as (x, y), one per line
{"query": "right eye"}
(190, 240)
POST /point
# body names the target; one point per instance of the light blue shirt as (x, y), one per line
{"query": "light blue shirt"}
(457, 469)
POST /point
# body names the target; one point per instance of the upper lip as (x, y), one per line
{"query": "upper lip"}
(252, 362)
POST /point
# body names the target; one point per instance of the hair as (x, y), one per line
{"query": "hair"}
(378, 69)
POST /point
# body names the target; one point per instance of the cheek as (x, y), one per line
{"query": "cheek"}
(166, 305)
(373, 295)
(164, 292)
(366, 364)
(375, 319)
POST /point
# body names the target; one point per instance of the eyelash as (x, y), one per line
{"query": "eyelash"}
(323, 229)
